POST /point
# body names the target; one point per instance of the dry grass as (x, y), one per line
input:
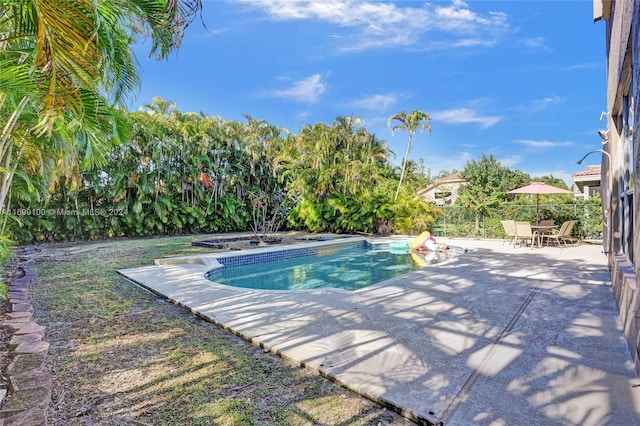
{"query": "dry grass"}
(121, 356)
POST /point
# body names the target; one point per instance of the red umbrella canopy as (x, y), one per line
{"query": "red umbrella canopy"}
(539, 188)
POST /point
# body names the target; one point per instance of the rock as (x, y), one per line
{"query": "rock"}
(26, 362)
(14, 315)
(29, 394)
(26, 399)
(21, 307)
(18, 339)
(18, 294)
(32, 348)
(14, 325)
(30, 380)
(31, 417)
(30, 328)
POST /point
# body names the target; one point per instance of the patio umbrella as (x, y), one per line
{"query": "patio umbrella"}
(538, 188)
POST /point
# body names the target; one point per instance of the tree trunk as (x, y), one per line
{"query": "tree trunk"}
(6, 153)
(404, 166)
(476, 225)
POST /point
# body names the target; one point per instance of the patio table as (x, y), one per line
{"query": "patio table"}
(541, 230)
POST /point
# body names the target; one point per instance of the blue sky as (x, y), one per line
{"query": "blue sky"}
(522, 80)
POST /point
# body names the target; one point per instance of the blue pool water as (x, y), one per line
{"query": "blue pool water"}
(343, 266)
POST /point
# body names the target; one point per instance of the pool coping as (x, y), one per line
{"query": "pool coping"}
(447, 343)
(211, 260)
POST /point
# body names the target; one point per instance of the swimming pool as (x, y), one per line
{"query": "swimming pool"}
(346, 266)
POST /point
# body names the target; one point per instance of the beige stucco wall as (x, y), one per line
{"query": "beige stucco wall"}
(622, 69)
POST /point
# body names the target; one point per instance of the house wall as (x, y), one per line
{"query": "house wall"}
(590, 191)
(623, 71)
(432, 195)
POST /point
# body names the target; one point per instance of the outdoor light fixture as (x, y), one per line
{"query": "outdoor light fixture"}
(597, 150)
(604, 135)
(603, 115)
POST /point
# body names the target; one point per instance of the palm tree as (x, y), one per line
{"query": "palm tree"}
(65, 64)
(160, 106)
(417, 120)
(478, 204)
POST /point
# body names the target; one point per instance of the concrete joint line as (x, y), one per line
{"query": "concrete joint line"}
(471, 380)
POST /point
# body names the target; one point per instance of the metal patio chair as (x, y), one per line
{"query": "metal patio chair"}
(525, 233)
(509, 231)
(563, 234)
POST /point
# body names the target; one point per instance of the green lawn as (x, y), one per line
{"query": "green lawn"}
(121, 356)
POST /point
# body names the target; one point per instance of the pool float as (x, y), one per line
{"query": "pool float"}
(418, 260)
(431, 245)
(398, 247)
(420, 240)
(425, 240)
(422, 260)
(456, 250)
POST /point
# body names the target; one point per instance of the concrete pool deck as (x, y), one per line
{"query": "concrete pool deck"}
(500, 335)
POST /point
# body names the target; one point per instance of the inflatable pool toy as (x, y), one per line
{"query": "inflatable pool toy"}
(418, 260)
(420, 240)
(425, 240)
(456, 250)
(432, 245)
(424, 260)
(398, 247)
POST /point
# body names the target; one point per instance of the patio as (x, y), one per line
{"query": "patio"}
(496, 336)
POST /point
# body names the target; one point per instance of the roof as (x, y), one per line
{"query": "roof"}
(450, 179)
(591, 171)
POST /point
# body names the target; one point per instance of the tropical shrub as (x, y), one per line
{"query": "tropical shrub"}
(268, 211)
(5, 244)
(413, 215)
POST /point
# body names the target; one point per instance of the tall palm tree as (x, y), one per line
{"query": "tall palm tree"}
(160, 106)
(416, 120)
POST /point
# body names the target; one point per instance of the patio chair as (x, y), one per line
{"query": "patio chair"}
(509, 231)
(546, 222)
(525, 233)
(563, 234)
(544, 227)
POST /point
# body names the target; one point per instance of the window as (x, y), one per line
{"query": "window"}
(626, 179)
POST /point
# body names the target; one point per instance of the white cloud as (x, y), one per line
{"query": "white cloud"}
(585, 66)
(542, 144)
(540, 104)
(510, 161)
(465, 115)
(471, 42)
(438, 164)
(375, 102)
(535, 43)
(459, 18)
(347, 13)
(307, 90)
(385, 24)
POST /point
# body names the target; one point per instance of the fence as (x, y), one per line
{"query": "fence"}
(457, 221)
